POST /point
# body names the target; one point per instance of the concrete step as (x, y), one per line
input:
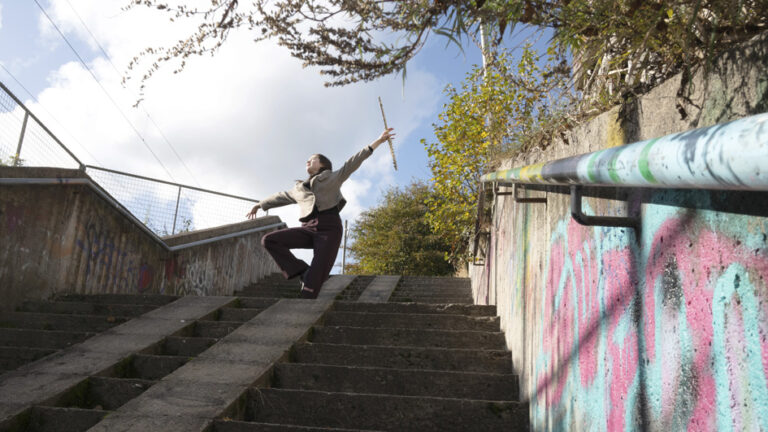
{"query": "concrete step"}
(82, 308)
(433, 286)
(214, 329)
(353, 291)
(255, 302)
(13, 357)
(411, 321)
(145, 367)
(60, 322)
(408, 337)
(431, 300)
(436, 279)
(406, 283)
(416, 308)
(181, 346)
(403, 382)
(101, 393)
(432, 293)
(279, 282)
(383, 412)
(50, 339)
(237, 314)
(292, 293)
(136, 299)
(443, 359)
(56, 419)
(241, 426)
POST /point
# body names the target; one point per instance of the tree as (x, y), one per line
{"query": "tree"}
(618, 46)
(358, 40)
(497, 112)
(394, 237)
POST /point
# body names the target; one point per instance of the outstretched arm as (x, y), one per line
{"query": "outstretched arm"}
(277, 200)
(354, 162)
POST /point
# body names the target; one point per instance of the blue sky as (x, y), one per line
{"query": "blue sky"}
(243, 122)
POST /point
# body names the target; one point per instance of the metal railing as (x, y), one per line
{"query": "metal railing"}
(164, 207)
(729, 156)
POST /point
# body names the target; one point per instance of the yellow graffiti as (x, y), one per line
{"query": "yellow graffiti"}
(532, 173)
(615, 135)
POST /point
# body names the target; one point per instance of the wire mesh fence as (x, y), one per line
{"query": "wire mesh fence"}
(166, 208)
(170, 208)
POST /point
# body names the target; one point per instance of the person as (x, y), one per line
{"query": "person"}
(320, 201)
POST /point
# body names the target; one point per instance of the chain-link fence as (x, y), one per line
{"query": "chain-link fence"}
(169, 208)
(164, 207)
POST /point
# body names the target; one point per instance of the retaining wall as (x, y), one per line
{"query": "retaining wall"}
(661, 329)
(66, 238)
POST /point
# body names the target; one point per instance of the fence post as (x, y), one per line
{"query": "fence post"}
(17, 158)
(175, 213)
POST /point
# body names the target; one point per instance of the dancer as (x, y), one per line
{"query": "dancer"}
(320, 201)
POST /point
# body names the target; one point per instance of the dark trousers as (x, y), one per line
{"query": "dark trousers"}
(323, 234)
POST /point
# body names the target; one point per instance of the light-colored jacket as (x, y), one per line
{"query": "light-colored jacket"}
(324, 189)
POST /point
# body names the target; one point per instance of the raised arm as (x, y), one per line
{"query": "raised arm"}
(353, 163)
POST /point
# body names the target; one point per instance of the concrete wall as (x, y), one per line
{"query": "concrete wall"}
(66, 238)
(663, 329)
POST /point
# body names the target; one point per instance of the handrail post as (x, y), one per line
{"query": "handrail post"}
(175, 213)
(17, 158)
(607, 221)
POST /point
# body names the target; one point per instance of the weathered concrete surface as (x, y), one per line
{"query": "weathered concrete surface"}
(408, 337)
(379, 290)
(403, 382)
(665, 329)
(37, 382)
(417, 308)
(189, 398)
(376, 412)
(65, 238)
(412, 321)
(469, 360)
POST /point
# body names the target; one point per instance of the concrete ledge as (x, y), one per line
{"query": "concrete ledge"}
(44, 379)
(379, 290)
(209, 384)
(41, 172)
(64, 234)
(204, 234)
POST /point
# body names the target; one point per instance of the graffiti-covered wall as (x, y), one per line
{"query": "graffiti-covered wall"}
(66, 238)
(664, 328)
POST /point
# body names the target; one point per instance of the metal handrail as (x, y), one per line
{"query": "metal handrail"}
(169, 183)
(729, 156)
(83, 167)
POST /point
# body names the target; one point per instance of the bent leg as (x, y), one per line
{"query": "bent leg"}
(326, 248)
(279, 245)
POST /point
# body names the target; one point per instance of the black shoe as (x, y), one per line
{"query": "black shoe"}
(307, 292)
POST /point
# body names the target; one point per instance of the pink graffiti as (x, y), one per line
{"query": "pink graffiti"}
(689, 263)
(700, 262)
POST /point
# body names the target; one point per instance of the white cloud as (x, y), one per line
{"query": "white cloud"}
(1, 15)
(244, 121)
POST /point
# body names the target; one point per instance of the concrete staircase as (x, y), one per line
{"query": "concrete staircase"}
(39, 328)
(363, 356)
(401, 366)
